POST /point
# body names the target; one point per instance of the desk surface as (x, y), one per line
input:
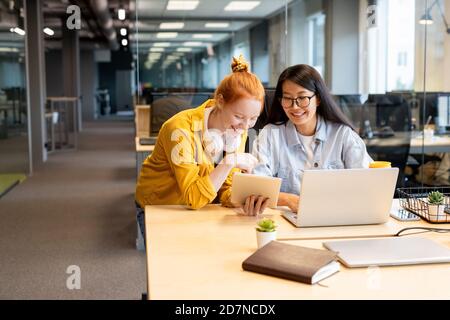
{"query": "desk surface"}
(438, 143)
(198, 255)
(143, 148)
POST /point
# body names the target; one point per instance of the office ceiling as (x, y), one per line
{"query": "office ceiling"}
(143, 21)
(151, 13)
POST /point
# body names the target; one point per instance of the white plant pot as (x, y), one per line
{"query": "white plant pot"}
(264, 238)
(436, 212)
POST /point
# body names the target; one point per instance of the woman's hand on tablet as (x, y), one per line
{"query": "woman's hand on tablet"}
(255, 205)
(290, 200)
(244, 161)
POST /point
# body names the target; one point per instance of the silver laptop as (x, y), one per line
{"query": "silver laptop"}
(344, 197)
(388, 251)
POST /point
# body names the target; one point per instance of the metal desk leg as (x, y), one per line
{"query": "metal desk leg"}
(60, 124)
(66, 123)
(75, 123)
(52, 126)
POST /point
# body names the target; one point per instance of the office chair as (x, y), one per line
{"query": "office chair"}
(163, 109)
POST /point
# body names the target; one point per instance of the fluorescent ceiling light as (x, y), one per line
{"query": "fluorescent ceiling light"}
(242, 5)
(123, 31)
(182, 5)
(202, 36)
(161, 44)
(184, 49)
(49, 31)
(3, 49)
(166, 35)
(426, 19)
(217, 25)
(193, 44)
(121, 14)
(171, 25)
(157, 49)
(18, 31)
(124, 42)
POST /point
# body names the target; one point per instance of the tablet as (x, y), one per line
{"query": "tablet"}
(245, 185)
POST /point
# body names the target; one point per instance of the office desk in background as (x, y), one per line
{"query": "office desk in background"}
(142, 152)
(438, 143)
(199, 254)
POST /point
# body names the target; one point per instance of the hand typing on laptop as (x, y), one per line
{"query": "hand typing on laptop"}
(290, 200)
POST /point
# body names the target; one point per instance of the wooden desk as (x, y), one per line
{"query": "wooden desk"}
(199, 255)
(435, 144)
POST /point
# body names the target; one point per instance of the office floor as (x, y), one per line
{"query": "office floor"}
(76, 210)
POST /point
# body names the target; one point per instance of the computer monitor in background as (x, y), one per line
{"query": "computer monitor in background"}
(392, 110)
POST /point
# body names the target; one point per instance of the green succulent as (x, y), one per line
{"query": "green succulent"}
(266, 225)
(435, 197)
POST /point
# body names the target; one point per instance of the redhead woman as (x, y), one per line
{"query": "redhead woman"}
(199, 149)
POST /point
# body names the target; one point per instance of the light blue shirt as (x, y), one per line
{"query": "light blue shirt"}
(281, 153)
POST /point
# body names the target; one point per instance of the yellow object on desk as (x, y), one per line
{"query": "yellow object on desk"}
(380, 164)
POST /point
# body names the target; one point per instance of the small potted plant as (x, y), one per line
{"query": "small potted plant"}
(265, 231)
(436, 205)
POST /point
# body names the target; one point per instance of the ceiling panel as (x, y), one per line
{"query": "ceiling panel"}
(207, 8)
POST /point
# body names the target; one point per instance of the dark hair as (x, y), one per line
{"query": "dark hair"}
(307, 77)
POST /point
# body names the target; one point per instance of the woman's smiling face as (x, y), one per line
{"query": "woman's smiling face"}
(240, 115)
(299, 115)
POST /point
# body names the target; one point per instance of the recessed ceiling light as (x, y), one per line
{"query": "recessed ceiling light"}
(121, 14)
(184, 49)
(171, 25)
(202, 36)
(166, 35)
(182, 5)
(217, 25)
(155, 49)
(123, 31)
(242, 5)
(193, 44)
(161, 44)
(49, 31)
(18, 31)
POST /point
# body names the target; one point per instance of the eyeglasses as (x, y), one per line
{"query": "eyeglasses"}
(302, 102)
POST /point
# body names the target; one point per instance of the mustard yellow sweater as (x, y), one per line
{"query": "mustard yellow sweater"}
(177, 171)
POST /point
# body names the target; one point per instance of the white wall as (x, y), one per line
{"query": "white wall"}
(343, 46)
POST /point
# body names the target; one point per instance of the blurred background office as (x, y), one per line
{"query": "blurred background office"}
(73, 74)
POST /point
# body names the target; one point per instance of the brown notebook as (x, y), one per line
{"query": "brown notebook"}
(293, 262)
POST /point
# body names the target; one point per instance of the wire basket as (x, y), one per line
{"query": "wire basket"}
(416, 201)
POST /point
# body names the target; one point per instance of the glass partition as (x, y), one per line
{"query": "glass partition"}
(13, 102)
(386, 66)
(432, 20)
